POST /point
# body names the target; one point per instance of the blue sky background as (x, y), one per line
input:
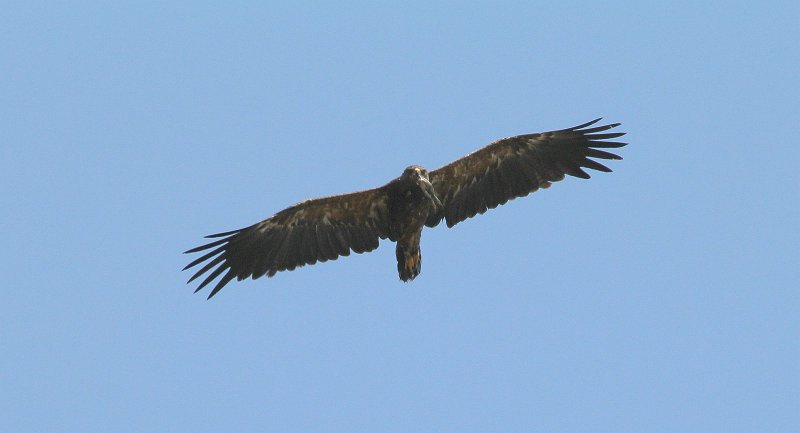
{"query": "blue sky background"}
(660, 298)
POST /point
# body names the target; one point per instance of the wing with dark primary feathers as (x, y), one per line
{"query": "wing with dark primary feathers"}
(314, 230)
(517, 166)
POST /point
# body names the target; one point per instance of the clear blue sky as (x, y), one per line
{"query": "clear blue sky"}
(662, 297)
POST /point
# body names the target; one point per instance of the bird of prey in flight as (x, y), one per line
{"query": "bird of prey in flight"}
(325, 228)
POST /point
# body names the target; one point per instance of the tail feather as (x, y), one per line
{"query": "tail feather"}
(409, 262)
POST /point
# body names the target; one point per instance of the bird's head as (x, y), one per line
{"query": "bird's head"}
(419, 175)
(415, 172)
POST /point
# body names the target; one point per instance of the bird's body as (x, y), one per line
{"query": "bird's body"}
(325, 228)
(411, 201)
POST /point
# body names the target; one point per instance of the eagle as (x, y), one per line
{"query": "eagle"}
(322, 229)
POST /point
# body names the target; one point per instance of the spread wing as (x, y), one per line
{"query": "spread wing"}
(517, 166)
(314, 230)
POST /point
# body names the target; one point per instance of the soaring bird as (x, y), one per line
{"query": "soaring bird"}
(322, 229)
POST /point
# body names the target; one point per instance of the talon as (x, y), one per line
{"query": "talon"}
(411, 262)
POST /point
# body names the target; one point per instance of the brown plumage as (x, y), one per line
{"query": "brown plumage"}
(325, 228)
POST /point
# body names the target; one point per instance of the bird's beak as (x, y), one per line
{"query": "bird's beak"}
(430, 193)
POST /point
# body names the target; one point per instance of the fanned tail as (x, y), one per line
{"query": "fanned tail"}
(409, 261)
